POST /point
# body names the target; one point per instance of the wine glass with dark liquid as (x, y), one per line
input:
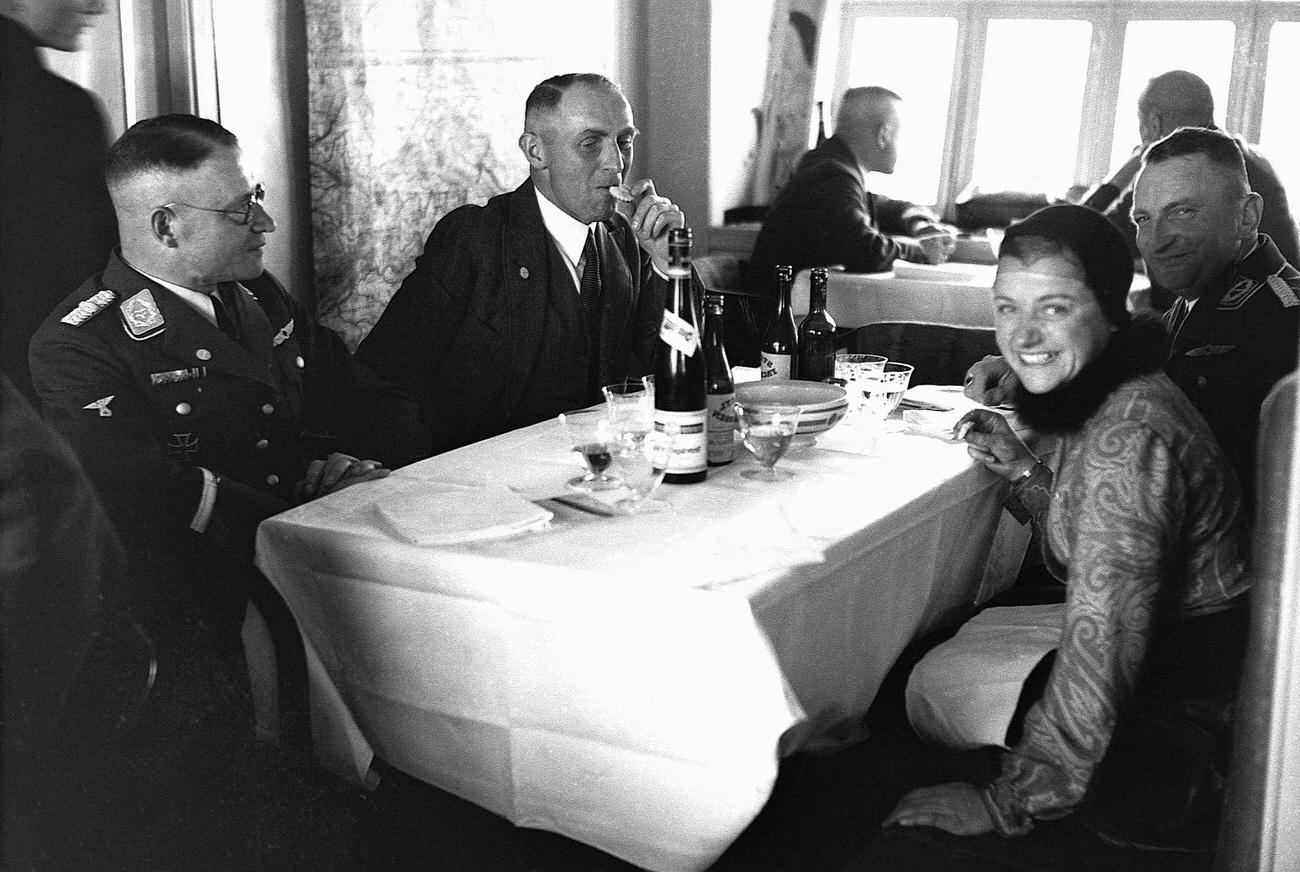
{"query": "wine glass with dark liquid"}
(590, 436)
(766, 430)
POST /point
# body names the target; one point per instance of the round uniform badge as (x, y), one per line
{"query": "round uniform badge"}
(203, 354)
(183, 408)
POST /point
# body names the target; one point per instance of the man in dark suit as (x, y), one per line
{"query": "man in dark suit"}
(825, 215)
(58, 223)
(200, 397)
(522, 308)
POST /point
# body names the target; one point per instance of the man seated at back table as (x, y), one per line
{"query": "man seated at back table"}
(201, 398)
(522, 308)
(825, 215)
(1234, 327)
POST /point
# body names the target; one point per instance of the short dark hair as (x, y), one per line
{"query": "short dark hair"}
(1216, 145)
(170, 142)
(547, 94)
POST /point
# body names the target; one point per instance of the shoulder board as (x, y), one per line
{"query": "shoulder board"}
(89, 308)
(141, 317)
(1286, 292)
(1239, 293)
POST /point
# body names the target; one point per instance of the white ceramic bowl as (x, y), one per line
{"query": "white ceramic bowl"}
(821, 406)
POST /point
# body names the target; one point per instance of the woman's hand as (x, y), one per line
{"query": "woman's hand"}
(956, 808)
(991, 441)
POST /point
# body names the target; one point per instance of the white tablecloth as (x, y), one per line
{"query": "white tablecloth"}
(632, 682)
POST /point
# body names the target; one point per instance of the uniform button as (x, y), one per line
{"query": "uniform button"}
(268, 409)
(273, 479)
(298, 360)
(203, 354)
(1201, 382)
(523, 272)
(183, 408)
(262, 444)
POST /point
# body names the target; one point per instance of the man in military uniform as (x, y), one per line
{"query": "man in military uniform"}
(201, 397)
(1235, 323)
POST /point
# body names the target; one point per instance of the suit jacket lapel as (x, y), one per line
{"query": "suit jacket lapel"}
(525, 286)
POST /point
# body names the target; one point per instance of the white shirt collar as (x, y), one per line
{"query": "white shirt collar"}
(568, 232)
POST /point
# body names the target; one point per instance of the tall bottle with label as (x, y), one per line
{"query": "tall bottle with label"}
(719, 385)
(816, 361)
(776, 355)
(680, 407)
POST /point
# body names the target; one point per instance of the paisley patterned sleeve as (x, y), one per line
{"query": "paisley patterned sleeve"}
(1123, 510)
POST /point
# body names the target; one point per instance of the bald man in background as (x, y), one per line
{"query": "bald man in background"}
(825, 215)
(1181, 99)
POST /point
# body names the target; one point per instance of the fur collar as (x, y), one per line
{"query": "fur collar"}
(1140, 347)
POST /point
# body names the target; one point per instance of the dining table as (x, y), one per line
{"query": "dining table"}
(631, 681)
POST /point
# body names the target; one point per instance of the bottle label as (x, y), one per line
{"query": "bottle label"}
(679, 333)
(774, 365)
(690, 439)
(722, 428)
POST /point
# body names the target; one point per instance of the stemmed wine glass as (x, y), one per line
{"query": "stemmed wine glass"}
(641, 457)
(590, 436)
(766, 430)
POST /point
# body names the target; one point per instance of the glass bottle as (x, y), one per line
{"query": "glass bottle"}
(776, 355)
(720, 386)
(816, 361)
(680, 406)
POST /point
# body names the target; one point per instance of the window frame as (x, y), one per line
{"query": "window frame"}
(1241, 113)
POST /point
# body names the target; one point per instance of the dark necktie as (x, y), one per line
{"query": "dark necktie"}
(590, 285)
(223, 306)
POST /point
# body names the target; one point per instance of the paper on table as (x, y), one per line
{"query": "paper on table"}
(444, 513)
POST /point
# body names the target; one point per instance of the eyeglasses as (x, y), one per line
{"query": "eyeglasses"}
(255, 200)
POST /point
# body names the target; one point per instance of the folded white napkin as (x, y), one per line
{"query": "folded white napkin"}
(443, 513)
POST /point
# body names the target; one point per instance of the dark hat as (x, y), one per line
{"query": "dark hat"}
(1100, 247)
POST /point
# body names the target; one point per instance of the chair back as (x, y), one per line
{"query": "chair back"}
(940, 353)
(744, 312)
(1260, 829)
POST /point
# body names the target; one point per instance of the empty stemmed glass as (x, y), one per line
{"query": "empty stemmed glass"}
(883, 390)
(590, 435)
(766, 430)
(641, 458)
(854, 369)
(631, 404)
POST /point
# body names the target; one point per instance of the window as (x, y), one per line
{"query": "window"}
(1280, 130)
(1029, 122)
(1155, 47)
(884, 53)
(1042, 94)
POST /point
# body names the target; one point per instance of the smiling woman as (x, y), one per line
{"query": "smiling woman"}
(1139, 516)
